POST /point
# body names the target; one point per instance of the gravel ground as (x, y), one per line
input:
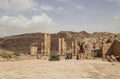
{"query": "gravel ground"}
(63, 69)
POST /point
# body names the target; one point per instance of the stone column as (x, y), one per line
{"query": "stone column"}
(74, 47)
(65, 48)
(42, 48)
(46, 44)
(61, 46)
(104, 50)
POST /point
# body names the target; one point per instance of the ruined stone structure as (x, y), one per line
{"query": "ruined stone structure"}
(74, 47)
(61, 46)
(33, 50)
(88, 51)
(111, 51)
(114, 49)
(42, 48)
(105, 49)
(86, 48)
(45, 45)
(78, 43)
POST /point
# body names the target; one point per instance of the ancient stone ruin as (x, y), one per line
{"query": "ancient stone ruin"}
(45, 45)
(87, 48)
(61, 46)
(80, 45)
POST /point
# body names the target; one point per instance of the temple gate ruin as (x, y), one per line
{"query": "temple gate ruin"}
(101, 46)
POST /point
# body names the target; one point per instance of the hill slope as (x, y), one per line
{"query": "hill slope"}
(21, 43)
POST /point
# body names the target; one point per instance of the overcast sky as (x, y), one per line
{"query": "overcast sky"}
(28, 16)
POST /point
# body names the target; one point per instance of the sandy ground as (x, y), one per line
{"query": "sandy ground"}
(63, 69)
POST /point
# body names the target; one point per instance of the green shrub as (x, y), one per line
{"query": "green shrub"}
(54, 57)
(5, 55)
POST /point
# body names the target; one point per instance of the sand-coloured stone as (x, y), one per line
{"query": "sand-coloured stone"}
(46, 44)
(61, 46)
(74, 47)
(33, 50)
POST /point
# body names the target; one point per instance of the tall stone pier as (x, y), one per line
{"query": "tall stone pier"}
(61, 46)
(45, 45)
(42, 48)
(74, 47)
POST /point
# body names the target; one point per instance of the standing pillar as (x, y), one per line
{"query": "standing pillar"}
(42, 48)
(74, 47)
(65, 48)
(46, 44)
(61, 46)
(103, 51)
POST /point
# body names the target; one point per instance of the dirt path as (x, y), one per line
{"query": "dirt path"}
(64, 69)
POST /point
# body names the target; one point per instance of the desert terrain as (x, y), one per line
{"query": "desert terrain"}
(63, 69)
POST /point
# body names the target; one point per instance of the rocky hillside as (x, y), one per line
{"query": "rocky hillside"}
(22, 43)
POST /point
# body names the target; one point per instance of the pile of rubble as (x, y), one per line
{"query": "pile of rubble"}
(112, 58)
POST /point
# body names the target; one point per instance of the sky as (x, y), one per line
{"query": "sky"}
(51, 16)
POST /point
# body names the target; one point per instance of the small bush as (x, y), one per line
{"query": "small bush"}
(54, 57)
(5, 55)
